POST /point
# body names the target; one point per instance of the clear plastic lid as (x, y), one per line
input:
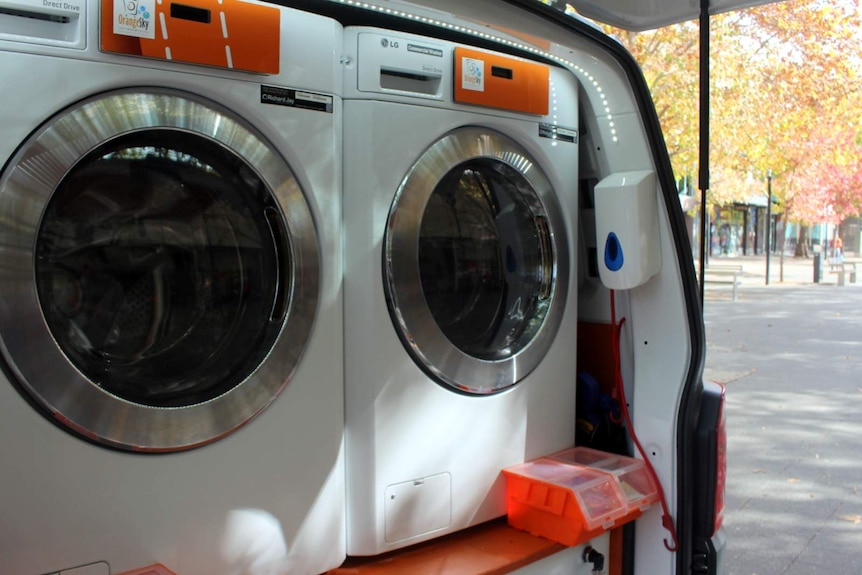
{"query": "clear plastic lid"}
(638, 486)
(587, 456)
(601, 503)
(634, 480)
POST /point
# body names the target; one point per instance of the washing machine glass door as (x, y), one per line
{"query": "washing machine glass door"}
(158, 295)
(475, 262)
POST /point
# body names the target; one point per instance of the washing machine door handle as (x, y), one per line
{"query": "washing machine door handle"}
(516, 263)
(546, 268)
(281, 248)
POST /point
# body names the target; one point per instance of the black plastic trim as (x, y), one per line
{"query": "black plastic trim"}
(190, 13)
(704, 558)
(706, 463)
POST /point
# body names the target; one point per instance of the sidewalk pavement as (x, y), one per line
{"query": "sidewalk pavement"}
(790, 356)
(790, 271)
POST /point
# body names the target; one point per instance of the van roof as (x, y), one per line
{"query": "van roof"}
(640, 15)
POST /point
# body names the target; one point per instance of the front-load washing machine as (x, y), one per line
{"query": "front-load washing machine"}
(460, 199)
(170, 288)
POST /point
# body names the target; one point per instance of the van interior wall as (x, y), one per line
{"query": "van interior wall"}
(597, 427)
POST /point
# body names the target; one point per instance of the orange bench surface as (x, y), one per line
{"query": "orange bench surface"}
(492, 548)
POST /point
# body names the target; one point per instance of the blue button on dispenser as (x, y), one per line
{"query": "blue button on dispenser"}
(613, 253)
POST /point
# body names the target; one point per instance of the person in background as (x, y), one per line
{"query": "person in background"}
(837, 247)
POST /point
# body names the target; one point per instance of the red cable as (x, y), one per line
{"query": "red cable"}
(616, 335)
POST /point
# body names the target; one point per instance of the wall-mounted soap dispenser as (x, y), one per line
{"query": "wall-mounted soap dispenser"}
(627, 235)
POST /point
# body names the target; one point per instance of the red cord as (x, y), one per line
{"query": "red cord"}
(616, 334)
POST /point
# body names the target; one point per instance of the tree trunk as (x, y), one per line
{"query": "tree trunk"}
(802, 242)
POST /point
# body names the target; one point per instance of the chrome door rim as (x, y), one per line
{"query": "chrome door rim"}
(27, 344)
(416, 327)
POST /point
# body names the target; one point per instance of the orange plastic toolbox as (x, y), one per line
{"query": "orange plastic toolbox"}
(577, 494)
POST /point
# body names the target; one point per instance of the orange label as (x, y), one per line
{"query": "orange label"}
(499, 82)
(228, 34)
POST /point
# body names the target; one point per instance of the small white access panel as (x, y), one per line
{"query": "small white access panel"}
(417, 507)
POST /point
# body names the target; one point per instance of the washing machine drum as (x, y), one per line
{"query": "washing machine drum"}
(475, 262)
(157, 295)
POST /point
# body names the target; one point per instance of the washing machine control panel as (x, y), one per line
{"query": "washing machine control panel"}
(389, 63)
(44, 22)
(416, 69)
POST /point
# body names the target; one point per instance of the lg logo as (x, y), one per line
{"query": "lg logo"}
(388, 43)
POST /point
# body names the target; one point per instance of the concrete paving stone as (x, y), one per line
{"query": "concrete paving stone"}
(786, 504)
(769, 482)
(823, 549)
(760, 534)
(767, 559)
(835, 551)
(804, 567)
(836, 548)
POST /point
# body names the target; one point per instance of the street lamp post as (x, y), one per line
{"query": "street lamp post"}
(768, 219)
(703, 172)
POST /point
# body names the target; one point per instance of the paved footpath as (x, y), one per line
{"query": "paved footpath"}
(795, 272)
(790, 356)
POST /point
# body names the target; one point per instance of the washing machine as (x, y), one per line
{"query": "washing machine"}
(170, 288)
(460, 203)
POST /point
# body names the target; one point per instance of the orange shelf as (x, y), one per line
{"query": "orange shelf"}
(492, 548)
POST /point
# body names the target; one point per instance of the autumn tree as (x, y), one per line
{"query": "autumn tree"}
(784, 99)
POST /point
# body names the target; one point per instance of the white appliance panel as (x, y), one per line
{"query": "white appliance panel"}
(402, 426)
(260, 498)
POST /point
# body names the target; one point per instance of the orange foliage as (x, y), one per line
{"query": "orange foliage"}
(784, 97)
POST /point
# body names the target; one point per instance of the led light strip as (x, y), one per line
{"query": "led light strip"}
(586, 77)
